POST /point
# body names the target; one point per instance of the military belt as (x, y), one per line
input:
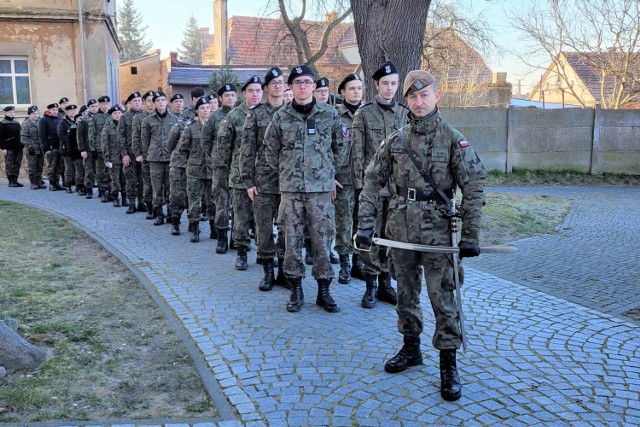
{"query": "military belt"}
(415, 194)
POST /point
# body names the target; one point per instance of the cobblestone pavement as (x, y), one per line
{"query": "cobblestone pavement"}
(534, 358)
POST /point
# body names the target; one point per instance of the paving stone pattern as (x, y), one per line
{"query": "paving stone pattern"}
(534, 358)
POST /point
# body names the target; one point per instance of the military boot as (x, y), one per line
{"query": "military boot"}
(105, 196)
(89, 194)
(267, 282)
(281, 280)
(69, 188)
(125, 202)
(132, 206)
(324, 298)
(141, 206)
(297, 296)
(40, 183)
(116, 200)
(81, 190)
(357, 267)
(223, 243)
(344, 276)
(195, 237)
(450, 387)
(213, 235)
(159, 216)
(386, 292)
(409, 355)
(52, 185)
(33, 184)
(150, 211)
(369, 297)
(241, 258)
(175, 225)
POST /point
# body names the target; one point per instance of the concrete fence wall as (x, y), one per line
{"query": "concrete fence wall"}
(584, 140)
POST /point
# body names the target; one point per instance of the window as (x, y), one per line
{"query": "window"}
(15, 87)
(134, 70)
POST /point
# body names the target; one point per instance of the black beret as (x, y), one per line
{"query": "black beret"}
(196, 92)
(133, 96)
(385, 69)
(202, 101)
(322, 82)
(179, 96)
(63, 100)
(115, 108)
(104, 98)
(32, 109)
(91, 102)
(211, 97)
(54, 105)
(9, 108)
(70, 107)
(301, 70)
(349, 78)
(148, 94)
(82, 109)
(251, 80)
(229, 87)
(157, 95)
(273, 73)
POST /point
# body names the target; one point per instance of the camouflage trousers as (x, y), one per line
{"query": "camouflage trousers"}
(133, 177)
(53, 165)
(221, 200)
(376, 261)
(345, 204)
(12, 162)
(73, 170)
(102, 174)
(242, 216)
(438, 270)
(159, 183)
(265, 212)
(178, 191)
(315, 213)
(197, 190)
(147, 189)
(118, 182)
(36, 166)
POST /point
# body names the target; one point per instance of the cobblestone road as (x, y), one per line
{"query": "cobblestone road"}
(535, 358)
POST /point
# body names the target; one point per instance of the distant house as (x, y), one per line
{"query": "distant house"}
(47, 51)
(148, 72)
(573, 78)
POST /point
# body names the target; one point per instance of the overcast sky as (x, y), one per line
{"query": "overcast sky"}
(166, 20)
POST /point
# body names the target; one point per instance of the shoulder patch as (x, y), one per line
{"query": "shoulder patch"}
(345, 131)
(464, 144)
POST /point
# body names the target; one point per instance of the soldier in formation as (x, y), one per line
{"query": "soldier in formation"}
(11, 145)
(30, 140)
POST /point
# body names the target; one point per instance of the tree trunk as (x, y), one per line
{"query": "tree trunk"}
(390, 30)
(16, 353)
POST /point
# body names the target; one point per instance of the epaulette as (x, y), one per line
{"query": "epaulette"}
(256, 106)
(402, 105)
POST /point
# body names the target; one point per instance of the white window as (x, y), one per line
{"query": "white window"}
(15, 87)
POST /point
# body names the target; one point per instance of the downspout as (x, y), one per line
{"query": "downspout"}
(84, 70)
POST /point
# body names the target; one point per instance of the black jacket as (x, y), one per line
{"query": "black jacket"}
(67, 132)
(48, 133)
(10, 135)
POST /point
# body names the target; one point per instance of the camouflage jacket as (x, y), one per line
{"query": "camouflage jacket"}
(188, 113)
(83, 131)
(155, 134)
(209, 135)
(96, 124)
(305, 163)
(29, 135)
(226, 151)
(345, 173)
(445, 154)
(372, 123)
(125, 133)
(177, 158)
(197, 153)
(254, 170)
(136, 132)
(110, 144)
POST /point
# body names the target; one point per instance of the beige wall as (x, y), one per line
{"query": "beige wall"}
(149, 76)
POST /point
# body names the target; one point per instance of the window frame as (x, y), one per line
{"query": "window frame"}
(13, 74)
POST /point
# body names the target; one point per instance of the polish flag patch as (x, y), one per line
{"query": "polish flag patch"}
(464, 144)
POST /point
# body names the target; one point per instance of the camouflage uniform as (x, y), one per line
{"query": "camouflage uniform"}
(140, 150)
(177, 172)
(10, 141)
(345, 197)
(29, 138)
(154, 135)
(111, 152)
(133, 172)
(442, 152)
(220, 180)
(306, 166)
(255, 172)
(188, 113)
(226, 161)
(89, 163)
(372, 123)
(96, 124)
(199, 167)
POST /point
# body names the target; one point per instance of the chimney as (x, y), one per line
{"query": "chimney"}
(220, 20)
(499, 79)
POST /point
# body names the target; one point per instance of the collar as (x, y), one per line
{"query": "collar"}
(303, 109)
(425, 125)
(384, 105)
(8, 118)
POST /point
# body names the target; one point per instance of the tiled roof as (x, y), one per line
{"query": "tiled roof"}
(201, 76)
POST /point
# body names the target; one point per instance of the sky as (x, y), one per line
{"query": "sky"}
(166, 23)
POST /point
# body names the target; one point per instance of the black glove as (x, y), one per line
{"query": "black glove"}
(32, 151)
(468, 249)
(364, 238)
